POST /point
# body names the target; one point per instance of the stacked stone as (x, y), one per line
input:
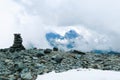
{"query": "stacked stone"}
(17, 46)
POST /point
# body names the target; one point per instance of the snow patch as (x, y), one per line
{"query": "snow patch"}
(81, 74)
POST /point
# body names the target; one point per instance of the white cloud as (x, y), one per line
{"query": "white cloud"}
(33, 18)
(8, 13)
(102, 16)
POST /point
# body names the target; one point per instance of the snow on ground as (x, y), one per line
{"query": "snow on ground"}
(81, 74)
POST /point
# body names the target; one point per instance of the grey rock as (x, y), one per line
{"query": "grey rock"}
(78, 56)
(12, 77)
(19, 66)
(78, 52)
(39, 66)
(35, 58)
(40, 53)
(27, 76)
(57, 58)
(3, 78)
(25, 70)
(47, 51)
(55, 49)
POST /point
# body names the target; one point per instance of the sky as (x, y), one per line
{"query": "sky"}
(34, 18)
(81, 74)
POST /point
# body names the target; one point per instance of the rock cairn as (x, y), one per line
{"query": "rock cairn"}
(17, 45)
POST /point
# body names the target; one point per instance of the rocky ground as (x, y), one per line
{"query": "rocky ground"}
(27, 64)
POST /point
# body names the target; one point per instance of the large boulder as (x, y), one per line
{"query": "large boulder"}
(78, 52)
(47, 51)
(55, 49)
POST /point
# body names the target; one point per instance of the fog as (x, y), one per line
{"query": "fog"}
(34, 18)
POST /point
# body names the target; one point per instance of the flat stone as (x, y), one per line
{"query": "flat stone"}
(27, 76)
(35, 58)
(11, 77)
(78, 52)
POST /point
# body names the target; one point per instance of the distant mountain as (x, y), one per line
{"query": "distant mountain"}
(99, 51)
(67, 40)
(105, 51)
(113, 52)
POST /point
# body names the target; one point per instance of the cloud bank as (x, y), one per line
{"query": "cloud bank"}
(33, 19)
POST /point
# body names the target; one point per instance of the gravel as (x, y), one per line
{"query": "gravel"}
(27, 64)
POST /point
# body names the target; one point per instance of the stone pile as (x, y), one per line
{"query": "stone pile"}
(17, 45)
